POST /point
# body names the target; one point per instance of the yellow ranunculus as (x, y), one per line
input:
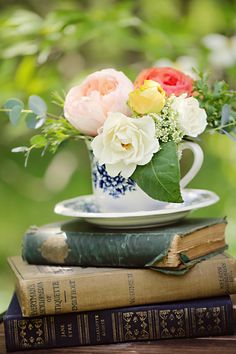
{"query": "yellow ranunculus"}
(148, 98)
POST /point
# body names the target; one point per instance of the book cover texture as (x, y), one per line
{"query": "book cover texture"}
(80, 244)
(53, 290)
(195, 318)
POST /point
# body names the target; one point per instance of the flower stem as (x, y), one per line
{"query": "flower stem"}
(51, 115)
(225, 125)
(9, 110)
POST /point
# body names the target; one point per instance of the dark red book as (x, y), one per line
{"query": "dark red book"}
(194, 318)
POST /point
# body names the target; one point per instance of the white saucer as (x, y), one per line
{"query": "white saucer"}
(86, 208)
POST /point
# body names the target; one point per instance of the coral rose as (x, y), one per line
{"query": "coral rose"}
(172, 81)
(87, 105)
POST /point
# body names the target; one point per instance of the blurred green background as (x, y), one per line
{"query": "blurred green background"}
(51, 45)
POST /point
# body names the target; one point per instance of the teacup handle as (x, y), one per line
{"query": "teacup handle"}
(197, 162)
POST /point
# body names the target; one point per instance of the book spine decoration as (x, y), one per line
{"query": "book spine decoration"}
(129, 287)
(197, 318)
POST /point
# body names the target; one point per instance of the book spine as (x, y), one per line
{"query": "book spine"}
(114, 249)
(95, 249)
(206, 317)
(127, 287)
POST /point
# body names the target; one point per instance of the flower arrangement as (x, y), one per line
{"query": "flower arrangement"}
(134, 129)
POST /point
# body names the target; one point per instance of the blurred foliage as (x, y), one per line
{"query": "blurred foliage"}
(51, 45)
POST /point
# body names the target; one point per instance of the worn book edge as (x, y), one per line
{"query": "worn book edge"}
(80, 289)
(172, 254)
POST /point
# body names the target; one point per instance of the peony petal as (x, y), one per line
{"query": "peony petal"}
(87, 105)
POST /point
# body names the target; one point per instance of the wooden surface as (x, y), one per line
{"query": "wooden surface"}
(223, 345)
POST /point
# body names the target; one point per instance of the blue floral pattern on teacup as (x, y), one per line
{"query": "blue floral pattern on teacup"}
(114, 186)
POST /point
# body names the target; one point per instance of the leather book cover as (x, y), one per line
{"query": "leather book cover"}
(80, 244)
(194, 318)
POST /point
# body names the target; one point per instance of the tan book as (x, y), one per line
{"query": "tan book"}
(54, 289)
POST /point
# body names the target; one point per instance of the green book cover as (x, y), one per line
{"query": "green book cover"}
(170, 249)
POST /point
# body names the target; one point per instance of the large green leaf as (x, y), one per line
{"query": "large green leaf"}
(161, 176)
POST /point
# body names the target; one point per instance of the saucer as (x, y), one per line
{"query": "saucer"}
(86, 208)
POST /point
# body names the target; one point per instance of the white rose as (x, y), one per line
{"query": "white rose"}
(124, 143)
(191, 118)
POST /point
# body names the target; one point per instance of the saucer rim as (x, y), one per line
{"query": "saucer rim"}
(61, 210)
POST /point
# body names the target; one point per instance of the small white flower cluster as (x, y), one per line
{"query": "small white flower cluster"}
(180, 116)
(167, 125)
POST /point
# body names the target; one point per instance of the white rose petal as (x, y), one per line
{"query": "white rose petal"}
(191, 118)
(124, 142)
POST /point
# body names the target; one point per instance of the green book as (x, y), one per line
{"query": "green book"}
(170, 249)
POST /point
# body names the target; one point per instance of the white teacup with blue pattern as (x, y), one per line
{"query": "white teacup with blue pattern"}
(119, 194)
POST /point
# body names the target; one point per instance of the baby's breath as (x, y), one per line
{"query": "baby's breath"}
(166, 123)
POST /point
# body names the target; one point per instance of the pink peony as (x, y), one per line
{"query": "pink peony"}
(87, 105)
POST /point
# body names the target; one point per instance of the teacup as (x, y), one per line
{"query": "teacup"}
(118, 194)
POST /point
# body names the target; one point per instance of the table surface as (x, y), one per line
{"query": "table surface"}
(222, 345)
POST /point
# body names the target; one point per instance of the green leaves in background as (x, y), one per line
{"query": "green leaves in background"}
(37, 117)
(161, 176)
(14, 107)
(4, 301)
(37, 105)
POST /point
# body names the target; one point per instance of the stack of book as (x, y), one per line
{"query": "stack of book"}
(77, 284)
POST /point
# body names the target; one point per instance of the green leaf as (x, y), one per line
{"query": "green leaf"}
(225, 114)
(15, 107)
(37, 105)
(14, 115)
(12, 102)
(31, 120)
(160, 178)
(38, 141)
